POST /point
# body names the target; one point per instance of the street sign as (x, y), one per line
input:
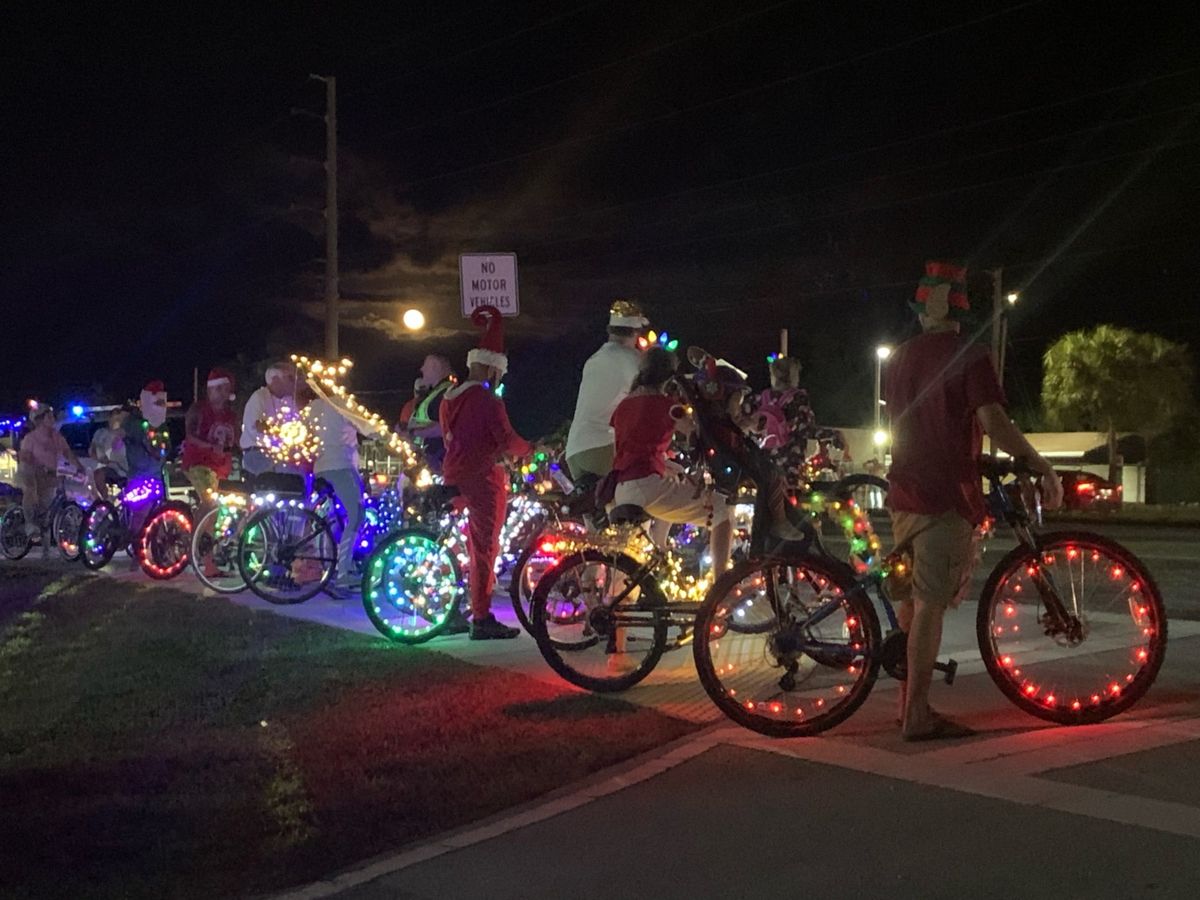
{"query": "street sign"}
(488, 279)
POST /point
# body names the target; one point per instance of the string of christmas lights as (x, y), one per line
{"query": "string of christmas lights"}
(291, 438)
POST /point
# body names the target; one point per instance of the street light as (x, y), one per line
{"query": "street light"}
(882, 352)
(414, 319)
(1013, 297)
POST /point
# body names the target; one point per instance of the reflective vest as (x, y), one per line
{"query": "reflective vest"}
(420, 416)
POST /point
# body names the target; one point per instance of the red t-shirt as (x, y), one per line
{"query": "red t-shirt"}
(935, 384)
(643, 424)
(218, 427)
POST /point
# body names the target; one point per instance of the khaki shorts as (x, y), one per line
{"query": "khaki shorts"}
(940, 554)
(596, 461)
(673, 500)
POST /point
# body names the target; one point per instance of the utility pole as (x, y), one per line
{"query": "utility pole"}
(997, 336)
(331, 217)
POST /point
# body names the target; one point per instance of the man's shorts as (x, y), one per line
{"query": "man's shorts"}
(673, 499)
(596, 461)
(204, 480)
(939, 552)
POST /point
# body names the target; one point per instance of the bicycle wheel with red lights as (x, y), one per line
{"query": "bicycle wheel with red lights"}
(1073, 631)
(163, 546)
(412, 584)
(812, 662)
(599, 620)
(543, 550)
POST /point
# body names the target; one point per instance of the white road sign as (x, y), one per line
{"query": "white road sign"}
(489, 279)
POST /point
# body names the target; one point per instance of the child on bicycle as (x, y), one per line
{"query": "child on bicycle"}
(38, 459)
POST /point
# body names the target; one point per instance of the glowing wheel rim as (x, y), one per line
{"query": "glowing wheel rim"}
(411, 585)
(164, 545)
(1108, 652)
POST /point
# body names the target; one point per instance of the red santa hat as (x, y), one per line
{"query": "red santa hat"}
(218, 376)
(490, 351)
(153, 402)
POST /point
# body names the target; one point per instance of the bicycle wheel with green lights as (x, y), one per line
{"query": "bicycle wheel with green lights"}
(411, 586)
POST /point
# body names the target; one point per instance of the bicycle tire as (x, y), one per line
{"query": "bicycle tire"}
(164, 542)
(777, 718)
(274, 580)
(520, 592)
(14, 540)
(1111, 695)
(100, 535)
(66, 527)
(558, 653)
(202, 543)
(389, 572)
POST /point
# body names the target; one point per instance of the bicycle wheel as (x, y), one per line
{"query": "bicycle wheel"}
(808, 672)
(1100, 658)
(214, 554)
(101, 535)
(14, 540)
(599, 620)
(411, 585)
(543, 550)
(869, 492)
(66, 526)
(165, 541)
(286, 554)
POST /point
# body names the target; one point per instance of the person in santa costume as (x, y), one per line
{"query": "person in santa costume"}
(144, 435)
(478, 437)
(211, 428)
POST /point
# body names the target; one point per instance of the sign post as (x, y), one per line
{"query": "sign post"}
(489, 279)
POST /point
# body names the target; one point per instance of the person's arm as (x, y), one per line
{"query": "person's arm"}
(68, 452)
(511, 443)
(1008, 437)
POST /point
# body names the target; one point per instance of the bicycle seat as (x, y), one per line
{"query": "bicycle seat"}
(627, 514)
(228, 486)
(278, 483)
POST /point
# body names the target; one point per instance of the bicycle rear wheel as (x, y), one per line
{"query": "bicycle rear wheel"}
(67, 524)
(214, 554)
(411, 586)
(286, 554)
(810, 669)
(599, 620)
(1099, 661)
(14, 540)
(165, 541)
(542, 551)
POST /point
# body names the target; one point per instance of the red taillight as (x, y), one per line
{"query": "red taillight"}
(548, 547)
(1085, 487)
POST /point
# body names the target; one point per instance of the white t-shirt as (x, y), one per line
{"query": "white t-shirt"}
(339, 438)
(261, 404)
(607, 376)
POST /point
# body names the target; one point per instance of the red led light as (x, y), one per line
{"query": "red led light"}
(1076, 705)
(1006, 661)
(1116, 572)
(1030, 690)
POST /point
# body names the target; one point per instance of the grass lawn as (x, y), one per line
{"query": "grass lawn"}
(157, 744)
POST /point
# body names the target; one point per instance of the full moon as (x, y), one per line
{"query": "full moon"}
(414, 319)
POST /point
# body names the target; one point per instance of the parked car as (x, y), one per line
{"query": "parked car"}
(1083, 490)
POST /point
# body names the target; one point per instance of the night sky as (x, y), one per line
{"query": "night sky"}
(737, 168)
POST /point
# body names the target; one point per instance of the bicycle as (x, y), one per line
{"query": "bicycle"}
(1070, 626)
(59, 526)
(140, 518)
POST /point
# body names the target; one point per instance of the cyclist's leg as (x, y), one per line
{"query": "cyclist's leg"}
(37, 493)
(348, 487)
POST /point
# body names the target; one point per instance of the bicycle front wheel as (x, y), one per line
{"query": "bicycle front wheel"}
(286, 554)
(67, 524)
(812, 664)
(411, 585)
(165, 541)
(599, 620)
(1073, 631)
(214, 554)
(14, 540)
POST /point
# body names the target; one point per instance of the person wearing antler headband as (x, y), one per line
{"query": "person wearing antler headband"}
(478, 437)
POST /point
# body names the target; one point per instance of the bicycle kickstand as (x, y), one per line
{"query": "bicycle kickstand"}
(949, 667)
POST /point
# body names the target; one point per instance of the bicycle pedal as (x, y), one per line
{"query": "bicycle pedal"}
(949, 668)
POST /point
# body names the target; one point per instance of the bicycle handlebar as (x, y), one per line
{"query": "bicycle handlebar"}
(993, 468)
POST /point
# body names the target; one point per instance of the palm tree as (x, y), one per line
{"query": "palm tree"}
(1115, 379)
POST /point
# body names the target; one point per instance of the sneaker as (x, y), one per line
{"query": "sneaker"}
(457, 624)
(488, 629)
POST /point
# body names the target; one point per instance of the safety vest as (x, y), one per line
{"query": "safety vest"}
(420, 417)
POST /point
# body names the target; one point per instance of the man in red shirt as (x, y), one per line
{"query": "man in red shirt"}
(942, 394)
(478, 436)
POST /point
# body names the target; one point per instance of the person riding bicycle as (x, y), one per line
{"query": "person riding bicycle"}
(38, 457)
(478, 436)
(607, 375)
(942, 394)
(423, 424)
(107, 452)
(643, 424)
(783, 418)
(277, 394)
(211, 428)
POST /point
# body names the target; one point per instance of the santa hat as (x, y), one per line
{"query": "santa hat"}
(218, 377)
(490, 351)
(942, 293)
(154, 390)
(624, 314)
